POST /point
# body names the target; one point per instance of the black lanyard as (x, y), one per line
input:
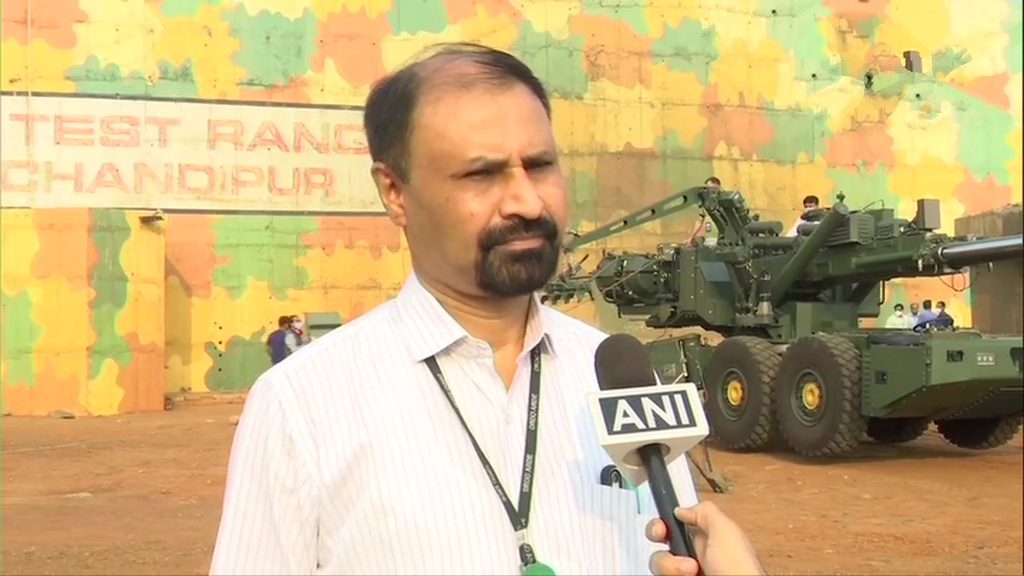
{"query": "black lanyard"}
(520, 517)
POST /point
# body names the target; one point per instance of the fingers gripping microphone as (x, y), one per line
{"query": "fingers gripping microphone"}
(644, 425)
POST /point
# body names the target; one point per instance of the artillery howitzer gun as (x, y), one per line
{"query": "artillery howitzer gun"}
(794, 361)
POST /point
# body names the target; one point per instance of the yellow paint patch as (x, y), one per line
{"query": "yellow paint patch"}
(334, 272)
(18, 246)
(921, 25)
(399, 50)
(550, 17)
(663, 14)
(102, 396)
(292, 9)
(123, 33)
(841, 100)
(669, 86)
(142, 258)
(373, 8)
(494, 31)
(929, 178)
(746, 73)
(49, 66)
(215, 72)
(630, 121)
(330, 88)
(686, 121)
(977, 27)
(575, 124)
(1016, 167)
(62, 314)
(916, 135)
(790, 92)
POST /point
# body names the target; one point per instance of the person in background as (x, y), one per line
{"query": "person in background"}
(301, 335)
(702, 230)
(898, 320)
(281, 342)
(927, 314)
(915, 311)
(940, 312)
(810, 203)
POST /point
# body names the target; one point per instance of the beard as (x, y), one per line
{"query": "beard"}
(510, 272)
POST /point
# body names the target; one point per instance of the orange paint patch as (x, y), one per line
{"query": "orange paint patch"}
(65, 248)
(294, 92)
(51, 392)
(189, 241)
(617, 176)
(376, 231)
(743, 128)
(982, 196)
(357, 56)
(143, 378)
(51, 21)
(613, 51)
(459, 10)
(867, 143)
(991, 89)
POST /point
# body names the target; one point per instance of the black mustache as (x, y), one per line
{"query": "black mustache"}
(518, 229)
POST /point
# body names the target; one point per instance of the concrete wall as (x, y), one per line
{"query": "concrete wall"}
(240, 119)
(997, 296)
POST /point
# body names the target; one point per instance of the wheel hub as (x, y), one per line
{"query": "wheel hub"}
(810, 395)
(734, 392)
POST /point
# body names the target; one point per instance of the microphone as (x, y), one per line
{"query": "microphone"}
(644, 425)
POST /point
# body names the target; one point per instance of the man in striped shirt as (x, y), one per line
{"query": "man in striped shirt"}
(417, 439)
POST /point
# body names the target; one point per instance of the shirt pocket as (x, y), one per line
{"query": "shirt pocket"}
(614, 530)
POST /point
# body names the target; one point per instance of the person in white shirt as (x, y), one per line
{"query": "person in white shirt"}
(810, 203)
(899, 319)
(400, 443)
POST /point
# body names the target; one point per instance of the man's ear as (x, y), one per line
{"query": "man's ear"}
(391, 192)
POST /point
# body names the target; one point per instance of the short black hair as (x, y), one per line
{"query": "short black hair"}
(926, 304)
(940, 304)
(812, 199)
(283, 321)
(391, 105)
(713, 181)
(898, 307)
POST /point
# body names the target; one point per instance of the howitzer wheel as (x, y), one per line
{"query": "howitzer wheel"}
(980, 433)
(740, 382)
(818, 396)
(897, 430)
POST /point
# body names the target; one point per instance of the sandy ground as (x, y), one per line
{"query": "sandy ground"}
(141, 494)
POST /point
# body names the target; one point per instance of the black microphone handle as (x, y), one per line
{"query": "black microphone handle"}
(679, 541)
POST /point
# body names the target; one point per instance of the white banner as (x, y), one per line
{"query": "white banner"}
(92, 152)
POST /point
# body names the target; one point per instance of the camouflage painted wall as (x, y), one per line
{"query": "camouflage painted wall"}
(649, 96)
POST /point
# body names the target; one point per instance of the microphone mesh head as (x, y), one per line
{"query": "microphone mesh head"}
(622, 361)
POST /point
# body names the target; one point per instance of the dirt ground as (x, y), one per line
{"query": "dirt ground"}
(141, 494)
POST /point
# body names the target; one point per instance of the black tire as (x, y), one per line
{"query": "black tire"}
(829, 365)
(749, 424)
(980, 433)
(897, 430)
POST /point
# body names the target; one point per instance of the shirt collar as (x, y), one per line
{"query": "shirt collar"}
(430, 329)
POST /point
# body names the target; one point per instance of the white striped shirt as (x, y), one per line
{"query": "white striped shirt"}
(348, 459)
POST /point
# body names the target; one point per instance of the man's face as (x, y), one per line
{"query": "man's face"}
(810, 206)
(485, 205)
(899, 310)
(913, 308)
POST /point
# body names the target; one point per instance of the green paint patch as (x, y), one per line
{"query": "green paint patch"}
(418, 17)
(795, 25)
(110, 232)
(797, 132)
(583, 198)
(237, 366)
(171, 82)
(632, 12)
(680, 167)
(20, 334)
(864, 188)
(263, 248)
(274, 48)
(1014, 27)
(184, 8)
(558, 63)
(688, 47)
(947, 60)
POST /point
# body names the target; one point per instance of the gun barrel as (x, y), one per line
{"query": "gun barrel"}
(813, 244)
(961, 254)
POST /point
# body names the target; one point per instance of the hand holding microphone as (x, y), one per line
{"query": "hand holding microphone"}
(643, 426)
